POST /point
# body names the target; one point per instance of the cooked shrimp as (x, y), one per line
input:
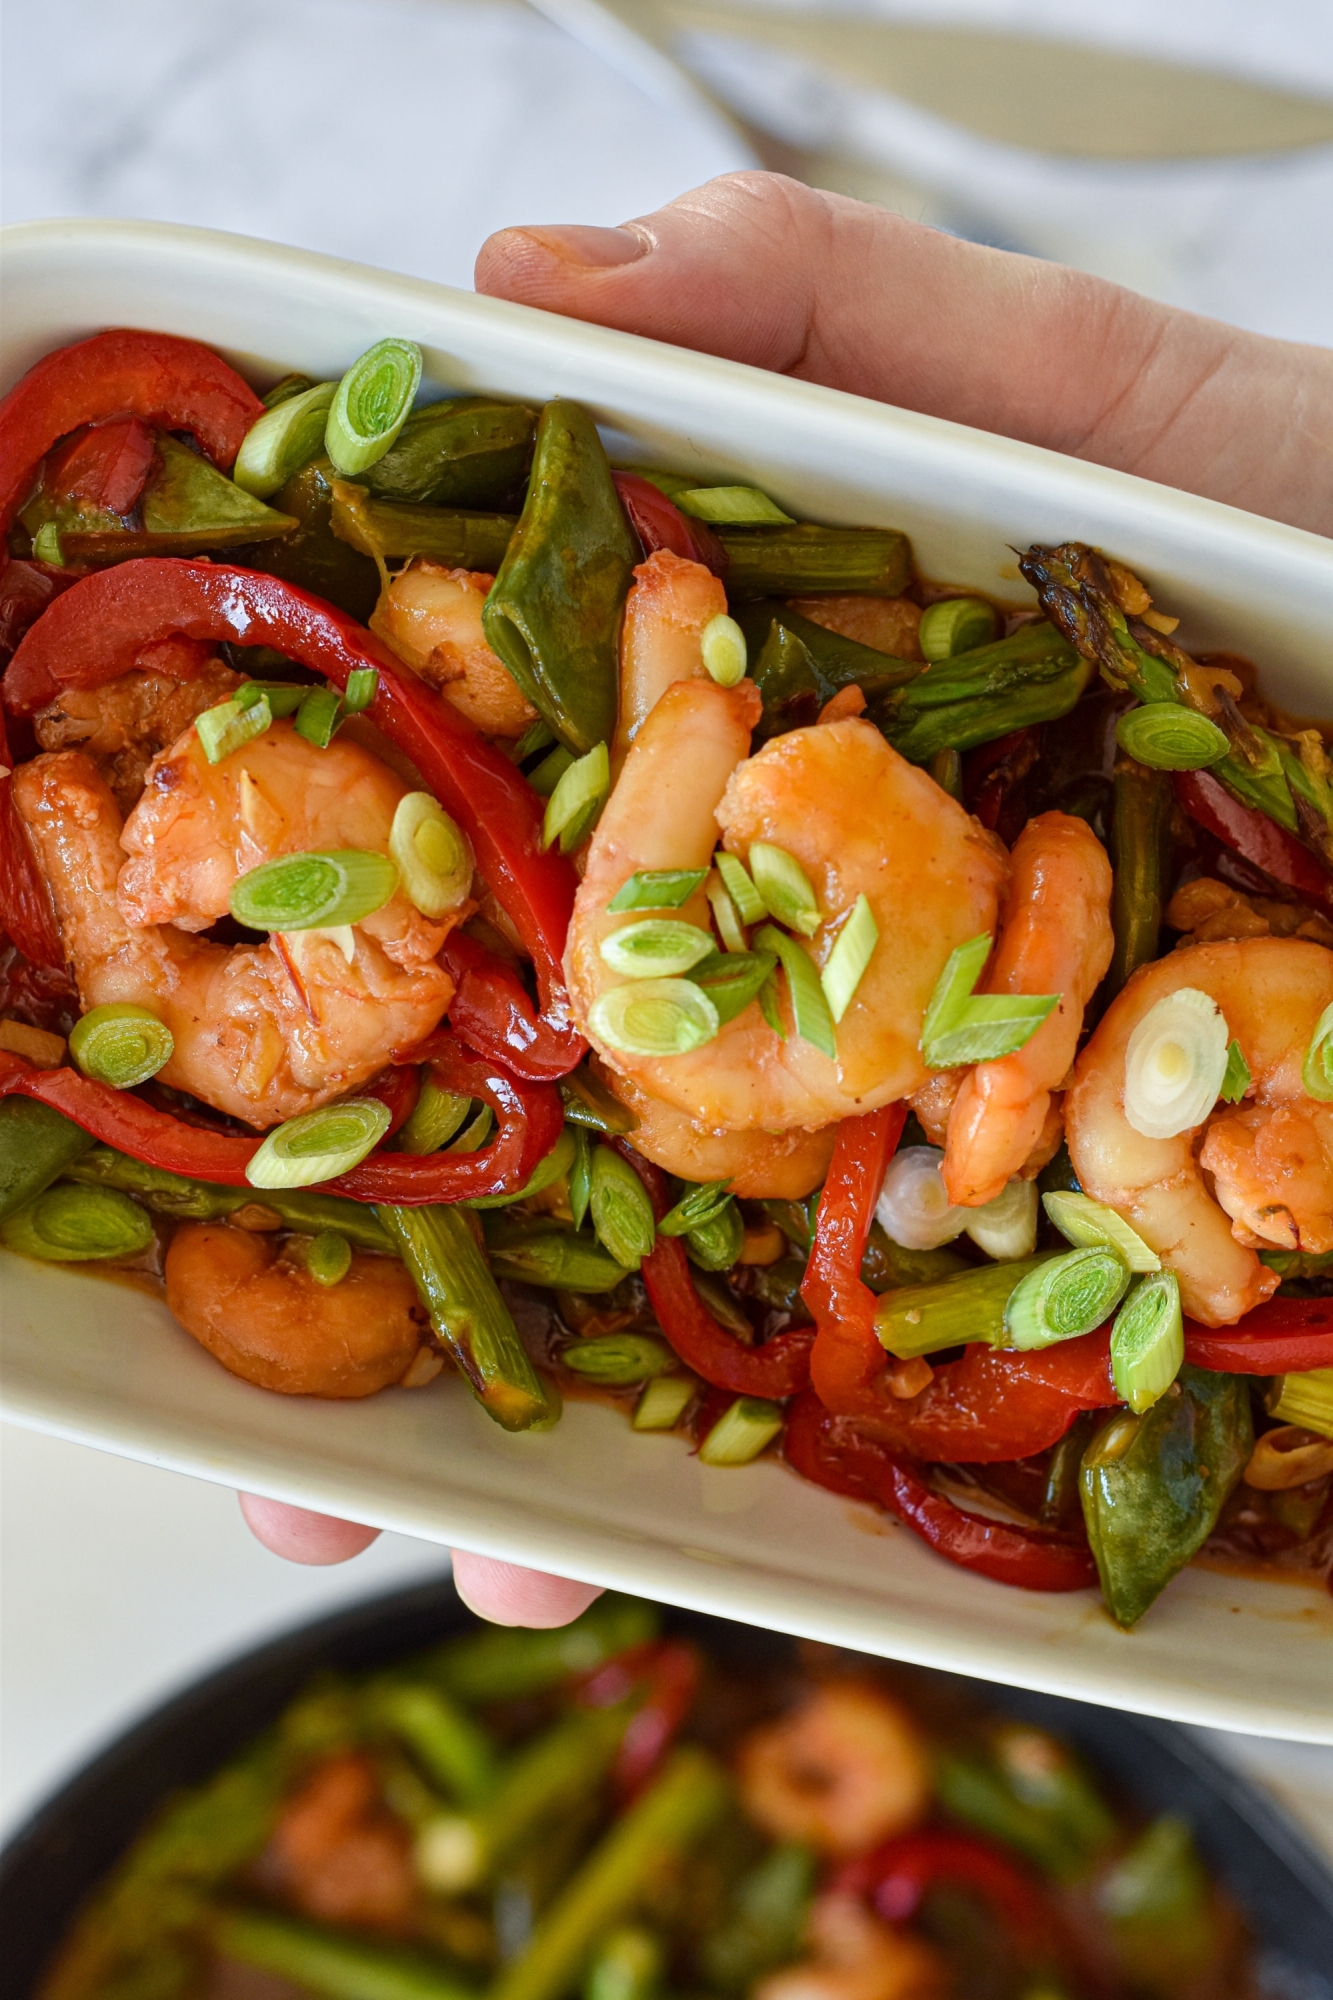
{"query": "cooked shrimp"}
(431, 617)
(198, 826)
(336, 1853)
(260, 1313)
(261, 1031)
(124, 723)
(858, 819)
(669, 603)
(777, 1166)
(842, 1772)
(855, 1956)
(1269, 1160)
(1055, 938)
(889, 624)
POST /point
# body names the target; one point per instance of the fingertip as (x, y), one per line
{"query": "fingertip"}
(300, 1536)
(526, 264)
(505, 1594)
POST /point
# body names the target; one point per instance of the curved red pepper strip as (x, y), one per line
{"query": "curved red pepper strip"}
(896, 1876)
(1254, 836)
(107, 466)
(397, 1089)
(99, 628)
(848, 1361)
(672, 1673)
(830, 1451)
(27, 915)
(659, 524)
(174, 385)
(1281, 1337)
(492, 1013)
(776, 1370)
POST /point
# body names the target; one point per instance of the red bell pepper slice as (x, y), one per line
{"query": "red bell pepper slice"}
(831, 1452)
(104, 623)
(106, 465)
(848, 1360)
(171, 384)
(659, 524)
(671, 1676)
(1280, 1337)
(27, 915)
(776, 1370)
(896, 1876)
(492, 1013)
(1254, 836)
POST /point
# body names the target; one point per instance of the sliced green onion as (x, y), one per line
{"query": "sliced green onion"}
(724, 916)
(770, 1006)
(654, 1017)
(307, 892)
(288, 435)
(550, 771)
(664, 1402)
(946, 768)
(741, 1432)
(552, 1166)
(46, 545)
(656, 948)
(723, 1304)
(577, 799)
(537, 736)
(810, 1011)
(701, 1205)
(432, 853)
(716, 1244)
(953, 989)
(951, 1312)
(1317, 1069)
(320, 1145)
(1237, 1078)
(784, 888)
(121, 1044)
(657, 889)
(1066, 1297)
(750, 905)
(1166, 736)
(732, 979)
(363, 684)
(1175, 1064)
(914, 1207)
(588, 1102)
(622, 1214)
(329, 1258)
(371, 404)
(722, 643)
(733, 507)
(1306, 1399)
(436, 1116)
(290, 385)
(1089, 1224)
(991, 1025)
(318, 716)
(1006, 1228)
(283, 697)
(849, 958)
(956, 625)
(619, 1360)
(75, 1225)
(1148, 1341)
(231, 725)
(475, 1133)
(580, 1175)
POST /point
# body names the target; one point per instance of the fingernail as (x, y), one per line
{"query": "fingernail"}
(595, 249)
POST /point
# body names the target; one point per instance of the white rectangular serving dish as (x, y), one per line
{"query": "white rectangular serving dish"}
(106, 1366)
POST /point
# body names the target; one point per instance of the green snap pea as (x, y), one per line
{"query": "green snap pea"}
(497, 1664)
(468, 452)
(1140, 827)
(392, 530)
(199, 1201)
(542, 1252)
(336, 1964)
(804, 559)
(76, 1225)
(37, 1145)
(312, 556)
(589, 1103)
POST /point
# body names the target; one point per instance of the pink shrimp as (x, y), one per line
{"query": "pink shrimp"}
(431, 617)
(669, 604)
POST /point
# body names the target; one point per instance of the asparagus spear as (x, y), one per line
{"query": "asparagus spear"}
(790, 561)
(199, 1201)
(495, 1665)
(1032, 676)
(334, 1963)
(1142, 816)
(453, 1750)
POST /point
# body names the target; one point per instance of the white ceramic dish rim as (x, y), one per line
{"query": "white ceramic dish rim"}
(964, 496)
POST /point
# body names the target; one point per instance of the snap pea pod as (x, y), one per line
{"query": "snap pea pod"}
(77, 1225)
(199, 1201)
(1154, 1485)
(467, 452)
(37, 1146)
(469, 1316)
(391, 530)
(1032, 676)
(336, 1964)
(1162, 1913)
(664, 1823)
(492, 1664)
(798, 664)
(187, 506)
(452, 1749)
(887, 1265)
(540, 1251)
(589, 1103)
(312, 556)
(764, 1920)
(801, 559)
(553, 614)
(1026, 1789)
(1140, 826)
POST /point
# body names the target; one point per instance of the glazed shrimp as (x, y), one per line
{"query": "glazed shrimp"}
(889, 624)
(777, 1166)
(1055, 937)
(431, 617)
(260, 1313)
(857, 818)
(123, 724)
(844, 1771)
(335, 1851)
(1270, 1159)
(856, 1956)
(669, 603)
(262, 1032)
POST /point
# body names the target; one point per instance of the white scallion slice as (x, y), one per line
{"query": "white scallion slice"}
(319, 1145)
(849, 958)
(733, 507)
(1175, 1064)
(284, 439)
(725, 917)
(371, 404)
(1317, 1069)
(1148, 1341)
(955, 625)
(664, 1402)
(656, 948)
(750, 906)
(1168, 737)
(722, 643)
(231, 725)
(1006, 1228)
(1305, 1399)
(1089, 1224)
(436, 1116)
(304, 892)
(577, 799)
(657, 889)
(1065, 1297)
(432, 853)
(741, 1432)
(810, 1011)
(654, 1017)
(913, 1207)
(953, 989)
(784, 887)
(121, 1044)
